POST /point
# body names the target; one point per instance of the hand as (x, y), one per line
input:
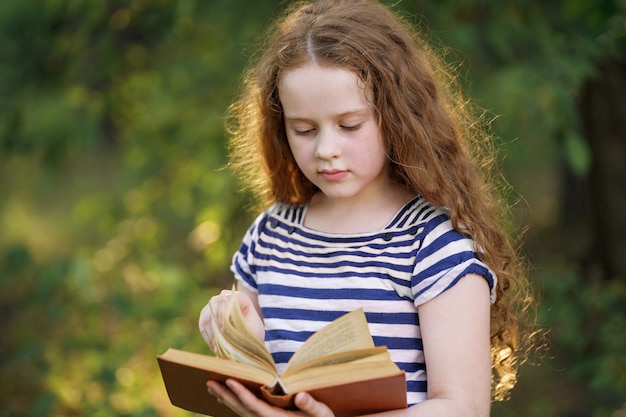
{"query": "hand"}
(219, 305)
(239, 399)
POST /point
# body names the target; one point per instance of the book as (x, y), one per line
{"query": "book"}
(338, 365)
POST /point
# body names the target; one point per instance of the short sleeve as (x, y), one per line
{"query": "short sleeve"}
(243, 263)
(444, 257)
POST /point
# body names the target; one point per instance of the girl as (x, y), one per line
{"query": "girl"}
(376, 197)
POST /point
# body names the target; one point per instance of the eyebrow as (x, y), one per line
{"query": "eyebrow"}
(355, 112)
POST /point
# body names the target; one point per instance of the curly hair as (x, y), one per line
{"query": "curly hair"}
(437, 145)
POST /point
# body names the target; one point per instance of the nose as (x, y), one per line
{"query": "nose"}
(328, 145)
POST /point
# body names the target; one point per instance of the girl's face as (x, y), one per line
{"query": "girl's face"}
(333, 132)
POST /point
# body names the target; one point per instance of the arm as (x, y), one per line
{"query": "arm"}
(455, 332)
(455, 329)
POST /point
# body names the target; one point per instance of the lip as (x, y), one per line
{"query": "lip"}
(333, 174)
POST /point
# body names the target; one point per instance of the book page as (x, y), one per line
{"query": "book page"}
(237, 342)
(348, 332)
(372, 367)
(369, 354)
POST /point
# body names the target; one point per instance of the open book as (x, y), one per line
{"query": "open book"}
(339, 366)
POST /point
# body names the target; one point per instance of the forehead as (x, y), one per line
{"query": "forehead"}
(321, 87)
(314, 71)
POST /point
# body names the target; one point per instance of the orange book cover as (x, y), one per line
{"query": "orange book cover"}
(185, 376)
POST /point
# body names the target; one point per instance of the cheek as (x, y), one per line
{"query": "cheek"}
(372, 151)
(301, 151)
(377, 160)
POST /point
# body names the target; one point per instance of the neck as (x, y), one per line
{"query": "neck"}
(355, 215)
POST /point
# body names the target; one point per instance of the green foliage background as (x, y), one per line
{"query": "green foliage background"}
(118, 219)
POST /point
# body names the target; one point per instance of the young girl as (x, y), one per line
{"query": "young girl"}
(376, 197)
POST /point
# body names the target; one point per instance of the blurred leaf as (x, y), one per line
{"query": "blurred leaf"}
(577, 154)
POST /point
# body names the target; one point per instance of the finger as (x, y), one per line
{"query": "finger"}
(225, 396)
(310, 407)
(204, 324)
(210, 317)
(205, 317)
(219, 305)
(254, 405)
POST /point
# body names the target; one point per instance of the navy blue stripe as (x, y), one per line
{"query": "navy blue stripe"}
(416, 386)
(471, 269)
(440, 242)
(328, 316)
(245, 276)
(407, 209)
(287, 335)
(278, 232)
(244, 248)
(478, 270)
(395, 318)
(368, 263)
(333, 252)
(398, 239)
(418, 215)
(282, 357)
(406, 343)
(300, 314)
(442, 266)
(329, 294)
(411, 367)
(424, 212)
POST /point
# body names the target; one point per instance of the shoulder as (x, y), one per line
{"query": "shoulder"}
(420, 213)
(286, 213)
(278, 213)
(432, 227)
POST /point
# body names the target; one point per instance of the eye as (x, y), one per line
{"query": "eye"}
(303, 132)
(351, 128)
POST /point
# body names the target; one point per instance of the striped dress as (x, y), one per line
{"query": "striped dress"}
(305, 278)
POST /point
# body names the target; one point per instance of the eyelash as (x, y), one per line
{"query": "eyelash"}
(303, 132)
(309, 131)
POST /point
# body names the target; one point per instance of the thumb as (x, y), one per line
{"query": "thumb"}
(310, 407)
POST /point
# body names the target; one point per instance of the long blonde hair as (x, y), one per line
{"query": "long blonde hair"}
(436, 146)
